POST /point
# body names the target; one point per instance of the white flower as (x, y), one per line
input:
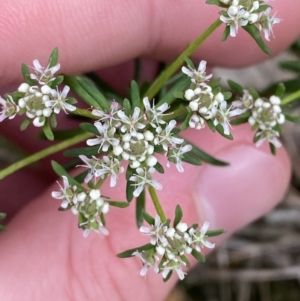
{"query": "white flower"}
(9, 108)
(155, 115)
(91, 164)
(175, 155)
(222, 114)
(245, 103)
(165, 138)
(110, 166)
(43, 75)
(156, 231)
(199, 238)
(236, 17)
(131, 123)
(106, 138)
(173, 265)
(266, 22)
(110, 116)
(269, 135)
(142, 178)
(66, 193)
(149, 261)
(93, 226)
(59, 100)
(196, 122)
(199, 75)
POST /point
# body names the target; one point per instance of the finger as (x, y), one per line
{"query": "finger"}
(58, 264)
(98, 34)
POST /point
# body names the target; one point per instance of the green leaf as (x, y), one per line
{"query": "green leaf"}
(90, 87)
(53, 120)
(235, 87)
(129, 190)
(102, 218)
(75, 84)
(185, 123)
(118, 204)
(128, 253)
(56, 82)
(243, 118)
(53, 57)
(168, 276)
(189, 62)
(60, 171)
(135, 95)
(215, 83)
(139, 210)
(127, 107)
(170, 96)
(272, 148)
(159, 167)
(26, 75)
(80, 178)
(178, 216)
(148, 218)
(226, 33)
(253, 93)
(227, 95)
(211, 125)
(206, 157)
(47, 130)
(90, 128)
(220, 130)
(280, 90)
(197, 255)
(295, 119)
(185, 260)
(64, 134)
(2, 215)
(216, 2)
(291, 66)
(191, 159)
(87, 151)
(217, 232)
(255, 34)
(110, 93)
(25, 124)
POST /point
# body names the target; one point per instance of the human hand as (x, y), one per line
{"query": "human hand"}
(43, 255)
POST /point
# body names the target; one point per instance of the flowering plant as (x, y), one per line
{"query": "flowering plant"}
(129, 136)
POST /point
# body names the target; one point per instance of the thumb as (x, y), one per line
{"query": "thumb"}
(45, 257)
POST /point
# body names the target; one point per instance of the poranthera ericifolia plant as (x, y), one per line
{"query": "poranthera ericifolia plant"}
(127, 137)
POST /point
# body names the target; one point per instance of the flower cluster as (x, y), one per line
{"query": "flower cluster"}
(206, 103)
(240, 13)
(38, 98)
(267, 116)
(89, 205)
(170, 245)
(134, 137)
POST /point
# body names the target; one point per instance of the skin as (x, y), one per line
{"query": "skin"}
(43, 255)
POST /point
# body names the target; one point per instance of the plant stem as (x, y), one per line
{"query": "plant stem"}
(171, 69)
(43, 153)
(290, 98)
(156, 204)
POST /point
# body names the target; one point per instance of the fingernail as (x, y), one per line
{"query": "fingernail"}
(230, 197)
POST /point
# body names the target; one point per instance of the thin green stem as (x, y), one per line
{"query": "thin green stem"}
(290, 98)
(157, 204)
(171, 69)
(43, 153)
